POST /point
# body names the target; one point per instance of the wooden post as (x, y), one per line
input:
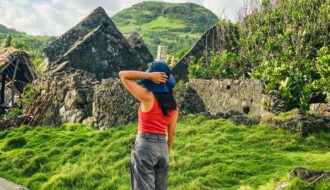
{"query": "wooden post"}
(206, 51)
(3, 84)
(213, 40)
(13, 84)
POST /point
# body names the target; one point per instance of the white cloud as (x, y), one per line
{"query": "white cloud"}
(54, 17)
(224, 8)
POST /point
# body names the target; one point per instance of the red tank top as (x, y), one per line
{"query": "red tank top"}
(154, 121)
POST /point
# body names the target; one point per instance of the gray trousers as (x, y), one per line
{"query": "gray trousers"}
(149, 162)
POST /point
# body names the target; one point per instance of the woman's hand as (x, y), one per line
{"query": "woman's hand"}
(158, 77)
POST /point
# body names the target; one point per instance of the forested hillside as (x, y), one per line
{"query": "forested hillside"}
(176, 25)
(4, 31)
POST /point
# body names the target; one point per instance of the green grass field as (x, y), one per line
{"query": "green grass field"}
(208, 154)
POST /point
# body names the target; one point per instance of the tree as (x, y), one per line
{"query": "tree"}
(8, 41)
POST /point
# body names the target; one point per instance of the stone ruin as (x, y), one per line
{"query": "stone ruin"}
(214, 39)
(81, 98)
(97, 46)
(243, 101)
(199, 49)
(82, 74)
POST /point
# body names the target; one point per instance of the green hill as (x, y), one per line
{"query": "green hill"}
(24, 41)
(4, 31)
(208, 154)
(21, 40)
(177, 25)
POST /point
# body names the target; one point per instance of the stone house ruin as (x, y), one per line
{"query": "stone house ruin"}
(82, 76)
(15, 73)
(82, 73)
(94, 45)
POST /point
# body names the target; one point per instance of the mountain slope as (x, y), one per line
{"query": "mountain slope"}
(176, 25)
(4, 31)
(24, 41)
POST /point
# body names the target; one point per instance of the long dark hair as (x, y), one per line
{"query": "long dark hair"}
(166, 101)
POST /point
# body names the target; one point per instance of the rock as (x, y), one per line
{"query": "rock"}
(303, 124)
(312, 176)
(282, 186)
(320, 108)
(206, 114)
(8, 185)
(245, 120)
(89, 121)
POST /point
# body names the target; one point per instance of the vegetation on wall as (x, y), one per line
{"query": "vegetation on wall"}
(283, 42)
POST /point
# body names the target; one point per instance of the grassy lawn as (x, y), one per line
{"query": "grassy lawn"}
(208, 154)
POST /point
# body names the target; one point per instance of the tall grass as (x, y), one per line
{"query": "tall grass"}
(208, 154)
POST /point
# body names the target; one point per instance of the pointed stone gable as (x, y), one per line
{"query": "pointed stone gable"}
(137, 43)
(94, 45)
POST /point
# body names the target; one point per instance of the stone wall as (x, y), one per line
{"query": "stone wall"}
(215, 39)
(80, 98)
(224, 96)
(180, 69)
(113, 105)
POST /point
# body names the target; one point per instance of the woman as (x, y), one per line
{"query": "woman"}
(157, 118)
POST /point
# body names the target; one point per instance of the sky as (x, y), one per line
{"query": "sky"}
(55, 17)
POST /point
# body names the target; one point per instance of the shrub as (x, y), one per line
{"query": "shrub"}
(221, 66)
(283, 42)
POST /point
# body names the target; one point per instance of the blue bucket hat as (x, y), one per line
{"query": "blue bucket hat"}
(159, 66)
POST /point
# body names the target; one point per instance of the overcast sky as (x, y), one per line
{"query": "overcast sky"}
(54, 17)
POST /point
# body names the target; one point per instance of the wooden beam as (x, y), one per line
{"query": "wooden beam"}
(28, 63)
(3, 84)
(13, 84)
(7, 65)
(9, 85)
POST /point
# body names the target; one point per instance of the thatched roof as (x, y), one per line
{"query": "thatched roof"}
(16, 62)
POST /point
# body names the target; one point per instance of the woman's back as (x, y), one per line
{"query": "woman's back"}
(154, 121)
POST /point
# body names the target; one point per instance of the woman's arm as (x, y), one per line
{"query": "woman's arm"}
(128, 79)
(171, 130)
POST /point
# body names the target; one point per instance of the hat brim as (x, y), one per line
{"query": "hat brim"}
(165, 87)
